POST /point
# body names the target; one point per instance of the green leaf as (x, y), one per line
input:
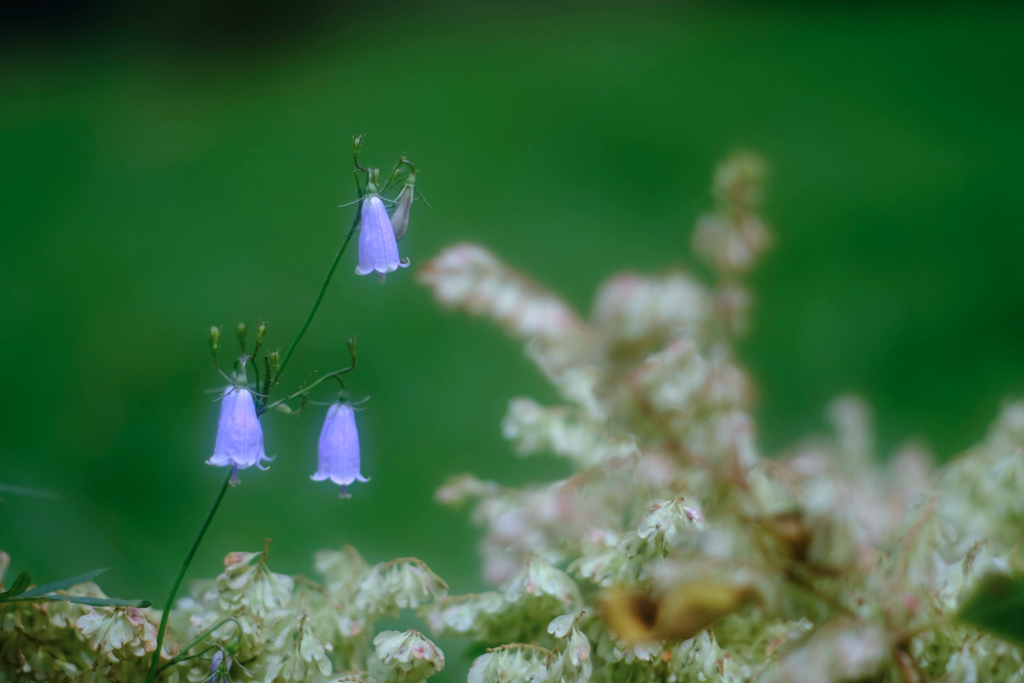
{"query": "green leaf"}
(84, 600)
(19, 586)
(64, 583)
(997, 606)
(29, 493)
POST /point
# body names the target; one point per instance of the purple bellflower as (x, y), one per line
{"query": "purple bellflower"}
(339, 448)
(220, 668)
(378, 249)
(239, 433)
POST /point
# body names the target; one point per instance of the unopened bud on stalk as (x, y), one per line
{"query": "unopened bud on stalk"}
(353, 346)
(375, 176)
(214, 334)
(275, 360)
(261, 330)
(357, 145)
(243, 334)
(400, 218)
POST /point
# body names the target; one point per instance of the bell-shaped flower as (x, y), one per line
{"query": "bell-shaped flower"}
(400, 216)
(239, 434)
(339, 448)
(220, 668)
(378, 249)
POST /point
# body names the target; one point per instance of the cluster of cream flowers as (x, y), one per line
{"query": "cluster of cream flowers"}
(676, 549)
(258, 625)
(674, 552)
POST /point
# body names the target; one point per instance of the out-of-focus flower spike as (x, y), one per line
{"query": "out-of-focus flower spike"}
(339, 448)
(400, 218)
(239, 433)
(378, 249)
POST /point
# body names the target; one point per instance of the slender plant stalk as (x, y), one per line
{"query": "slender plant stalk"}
(181, 576)
(320, 296)
(155, 665)
(184, 656)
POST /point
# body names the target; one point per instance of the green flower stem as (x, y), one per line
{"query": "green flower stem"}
(198, 655)
(320, 296)
(184, 656)
(307, 389)
(181, 575)
(154, 667)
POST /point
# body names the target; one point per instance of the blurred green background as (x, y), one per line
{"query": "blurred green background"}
(156, 182)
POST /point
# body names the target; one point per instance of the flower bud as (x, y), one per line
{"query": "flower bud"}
(214, 334)
(357, 145)
(400, 218)
(375, 176)
(275, 360)
(353, 346)
(243, 334)
(261, 330)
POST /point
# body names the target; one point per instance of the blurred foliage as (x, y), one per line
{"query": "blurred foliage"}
(997, 606)
(152, 188)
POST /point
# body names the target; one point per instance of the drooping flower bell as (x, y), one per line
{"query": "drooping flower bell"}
(378, 249)
(220, 668)
(239, 433)
(339, 448)
(400, 217)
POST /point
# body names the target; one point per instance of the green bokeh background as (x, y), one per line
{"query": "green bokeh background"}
(151, 188)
